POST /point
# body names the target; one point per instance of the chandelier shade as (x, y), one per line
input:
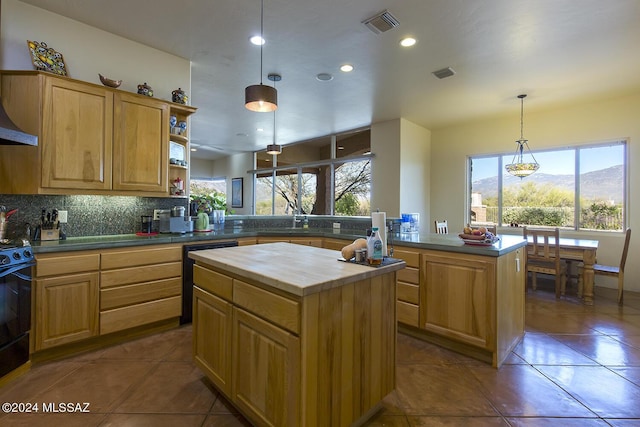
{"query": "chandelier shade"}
(519, 166)
(261, 98)
(274, 149)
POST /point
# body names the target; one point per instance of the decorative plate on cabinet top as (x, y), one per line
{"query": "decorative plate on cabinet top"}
(45, 58)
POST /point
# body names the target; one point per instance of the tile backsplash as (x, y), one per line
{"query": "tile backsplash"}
(87, 215)
(113, 215)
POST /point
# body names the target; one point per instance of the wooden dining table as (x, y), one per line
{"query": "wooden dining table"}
(584, 251)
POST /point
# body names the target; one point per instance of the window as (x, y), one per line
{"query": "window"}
(321, 177)
(581, 188)
(207, 186)
(353, 188)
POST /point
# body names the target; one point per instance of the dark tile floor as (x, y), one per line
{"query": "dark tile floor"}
(577, 366)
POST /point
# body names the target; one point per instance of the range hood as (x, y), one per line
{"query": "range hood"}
(10, 134)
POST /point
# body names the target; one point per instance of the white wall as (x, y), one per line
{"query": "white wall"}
(400, 172)
(590, 121)
(385, 169)
(236, 166)
(88, 51)
(202, 168)
(415, 176)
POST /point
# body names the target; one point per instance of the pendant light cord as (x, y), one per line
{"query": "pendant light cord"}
(262, 41)
(521, 115)
(274, 117)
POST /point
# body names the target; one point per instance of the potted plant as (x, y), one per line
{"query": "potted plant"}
(215, 204)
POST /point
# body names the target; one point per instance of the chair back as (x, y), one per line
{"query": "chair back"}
(441, 227)
(541, 247)
(623, 260)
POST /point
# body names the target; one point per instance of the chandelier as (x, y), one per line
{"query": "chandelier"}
(518, 167)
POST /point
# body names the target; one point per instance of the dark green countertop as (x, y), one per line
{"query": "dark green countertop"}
(442, 242)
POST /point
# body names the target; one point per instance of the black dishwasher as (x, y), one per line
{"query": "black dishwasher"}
(187, 274)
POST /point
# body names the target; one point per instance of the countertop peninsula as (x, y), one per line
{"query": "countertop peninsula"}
(442, 242)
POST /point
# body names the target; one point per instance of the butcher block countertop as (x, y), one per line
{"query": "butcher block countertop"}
(295, 269)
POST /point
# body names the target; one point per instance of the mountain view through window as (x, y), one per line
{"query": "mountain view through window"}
(575, 188)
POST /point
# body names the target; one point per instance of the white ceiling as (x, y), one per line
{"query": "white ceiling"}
(556, 51)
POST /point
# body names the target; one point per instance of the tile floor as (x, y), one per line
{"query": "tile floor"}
(577, 366)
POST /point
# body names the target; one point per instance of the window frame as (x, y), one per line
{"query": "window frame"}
(300, 166)
(577, 227)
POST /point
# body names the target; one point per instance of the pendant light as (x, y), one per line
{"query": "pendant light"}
(518, 167)
(274, 149)
(261, 98)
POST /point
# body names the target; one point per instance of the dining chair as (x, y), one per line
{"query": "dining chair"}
(441, 227)
(543, 256)
(611, 270)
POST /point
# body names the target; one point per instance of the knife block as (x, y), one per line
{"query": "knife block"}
(52, 234)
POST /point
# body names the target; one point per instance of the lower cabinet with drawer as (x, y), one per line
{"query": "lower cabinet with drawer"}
(139, 286)
(243, 342)
(66, 299)
(408, 287)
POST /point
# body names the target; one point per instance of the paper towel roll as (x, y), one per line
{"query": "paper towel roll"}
(379, 219)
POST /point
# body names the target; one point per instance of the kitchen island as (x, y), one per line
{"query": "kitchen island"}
(294, 337)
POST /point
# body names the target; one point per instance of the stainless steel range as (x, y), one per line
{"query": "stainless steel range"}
(16, 261)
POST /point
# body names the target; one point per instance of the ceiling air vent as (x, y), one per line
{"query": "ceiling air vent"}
(383, 21)
(444, 73)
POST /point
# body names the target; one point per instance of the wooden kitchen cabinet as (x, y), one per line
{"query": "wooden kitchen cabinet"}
(79, 295)
(91, 139)
(408, 287)
(265, 370)
(246, 241)
(262, 240)
(76, 137)
(140, 143)
(473, 304)
(307, 241)
(458, 296)
(66, 299)
(335, 244)
(212, 329)
(139, 286)
(325, 357)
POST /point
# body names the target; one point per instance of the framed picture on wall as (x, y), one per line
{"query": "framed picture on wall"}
(236, 192)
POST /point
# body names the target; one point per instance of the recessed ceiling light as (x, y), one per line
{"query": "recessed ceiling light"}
(260, 129)
(346, 68)
(340, 147)
(324, 77)
(257, 40)
(194, 149)
(408, 42)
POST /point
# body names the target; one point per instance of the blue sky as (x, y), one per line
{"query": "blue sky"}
(558, 162)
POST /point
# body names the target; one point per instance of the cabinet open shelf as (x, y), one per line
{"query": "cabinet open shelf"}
(178, 138)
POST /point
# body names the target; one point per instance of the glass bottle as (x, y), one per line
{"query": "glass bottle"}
(374, 248)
